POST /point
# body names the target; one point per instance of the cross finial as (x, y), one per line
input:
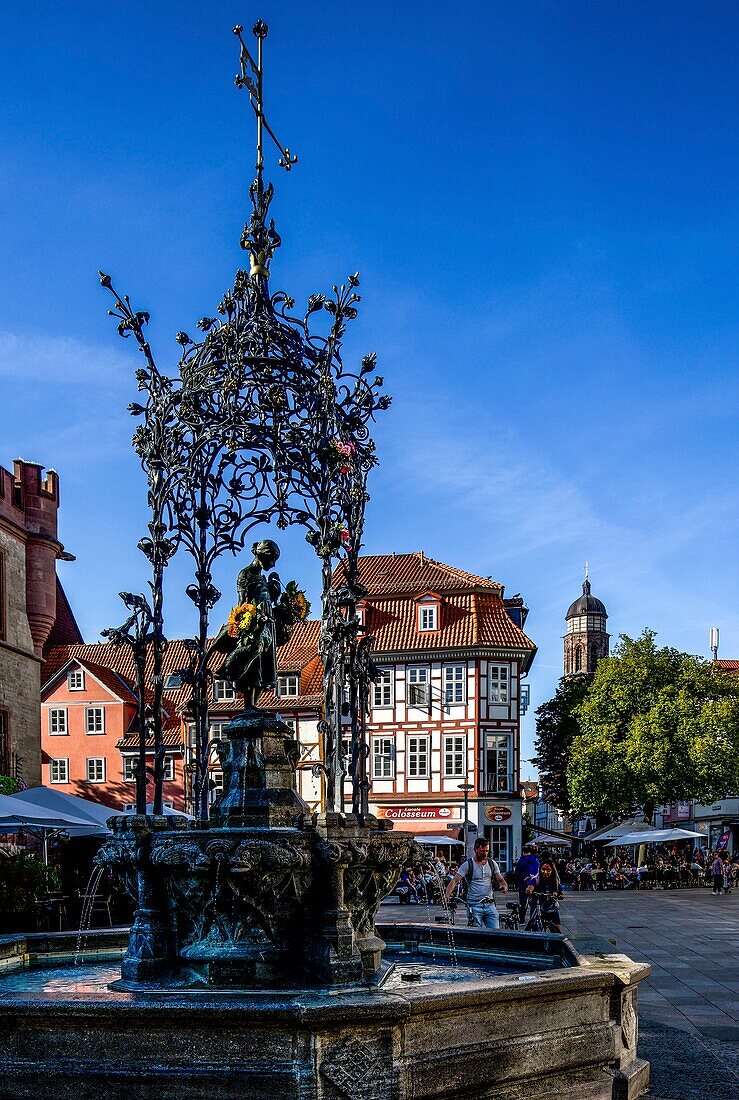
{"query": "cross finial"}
(251, 76)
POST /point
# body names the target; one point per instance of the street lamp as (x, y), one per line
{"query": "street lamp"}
(466, 787)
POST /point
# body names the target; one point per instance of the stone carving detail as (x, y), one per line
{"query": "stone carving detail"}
(239, 899)
(356, 1070)
(629, 1020)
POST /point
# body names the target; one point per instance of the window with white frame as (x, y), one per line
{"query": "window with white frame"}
(59, 771)
(223, 690)
(216, 731)
(76, 679)
(215, 785)
(168, 768)
(455, 684)
(94, 719)
(498, 683)
(191, 734)
(291, 722)
(455, 756)
(173, 681)
(417, 758)
(288, 683)
(417, 686)
(129, 807)
(58, 721)
(497, 762)
(129, 769)
(382, 692)
(383, 757)
(96, 769)
(428, 616)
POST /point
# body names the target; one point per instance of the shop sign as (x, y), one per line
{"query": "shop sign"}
(722, 841)
(418, 813)
(498, 813)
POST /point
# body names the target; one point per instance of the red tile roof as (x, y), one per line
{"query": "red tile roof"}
(391, 574)
(729, 666)
(466, 620)
(116, 668)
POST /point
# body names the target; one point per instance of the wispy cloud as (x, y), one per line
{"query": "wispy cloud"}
(63, 361)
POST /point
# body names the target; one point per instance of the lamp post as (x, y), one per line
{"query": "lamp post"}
(466, 787)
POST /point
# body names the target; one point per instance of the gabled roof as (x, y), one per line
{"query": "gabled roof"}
(468, 620)
(115, 665)
(395, 574)
(106, 676)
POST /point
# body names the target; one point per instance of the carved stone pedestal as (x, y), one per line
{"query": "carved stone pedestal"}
(264, 895)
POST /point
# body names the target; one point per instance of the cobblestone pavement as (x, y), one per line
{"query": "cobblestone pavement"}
(689, 1006)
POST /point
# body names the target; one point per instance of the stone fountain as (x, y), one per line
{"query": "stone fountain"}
(254, 966)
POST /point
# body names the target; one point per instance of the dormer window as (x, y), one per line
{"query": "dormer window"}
(428, 617)
(427, 612)
(223, 690)
(361, 613)
(288, 684)
(76, 679)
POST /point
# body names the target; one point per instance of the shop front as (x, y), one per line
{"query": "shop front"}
(436, 827)
(719, 823)
(500, 822)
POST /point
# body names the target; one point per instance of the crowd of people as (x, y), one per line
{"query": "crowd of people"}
(541, 880)
(668, 869)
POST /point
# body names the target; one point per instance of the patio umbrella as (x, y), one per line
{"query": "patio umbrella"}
(16, 816)
(653, 836)
(88, 812)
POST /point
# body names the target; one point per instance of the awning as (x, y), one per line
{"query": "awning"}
(655, 836)
(423, 838)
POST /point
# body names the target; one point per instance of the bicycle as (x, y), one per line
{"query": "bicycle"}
(511, 919)
(538, 921)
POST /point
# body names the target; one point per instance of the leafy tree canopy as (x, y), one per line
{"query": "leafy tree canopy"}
(557, 726)
(656, 726)
(9, 785)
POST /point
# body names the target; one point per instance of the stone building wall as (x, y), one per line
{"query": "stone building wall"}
(28, 552)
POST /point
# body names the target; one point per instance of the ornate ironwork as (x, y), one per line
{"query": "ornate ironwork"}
(261, 423)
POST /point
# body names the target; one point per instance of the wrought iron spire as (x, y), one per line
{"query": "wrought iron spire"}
(251, 77)
(259, 238)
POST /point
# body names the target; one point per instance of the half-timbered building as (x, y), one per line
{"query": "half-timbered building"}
(445, 710)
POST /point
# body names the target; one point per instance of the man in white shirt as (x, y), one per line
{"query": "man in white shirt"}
(481, 873)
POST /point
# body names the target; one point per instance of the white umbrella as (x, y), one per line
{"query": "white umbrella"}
(16, 816)
(653, 836)
(617, 832)
(88, 812)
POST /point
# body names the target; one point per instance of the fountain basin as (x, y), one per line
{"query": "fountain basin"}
(530, 1018)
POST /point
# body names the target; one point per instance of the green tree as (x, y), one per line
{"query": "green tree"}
(8, 785)
(656, 726)
(557, 726)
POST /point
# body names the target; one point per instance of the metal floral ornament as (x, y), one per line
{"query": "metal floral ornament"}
(261, 422)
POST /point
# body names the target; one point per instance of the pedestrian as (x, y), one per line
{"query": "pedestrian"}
(547, 886)
(480, 873)
(726, 872)
(527, 869)
(717, 870)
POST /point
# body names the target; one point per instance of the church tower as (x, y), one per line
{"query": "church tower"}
(586, 640)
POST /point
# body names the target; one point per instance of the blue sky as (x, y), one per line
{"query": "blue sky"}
(541, 198)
